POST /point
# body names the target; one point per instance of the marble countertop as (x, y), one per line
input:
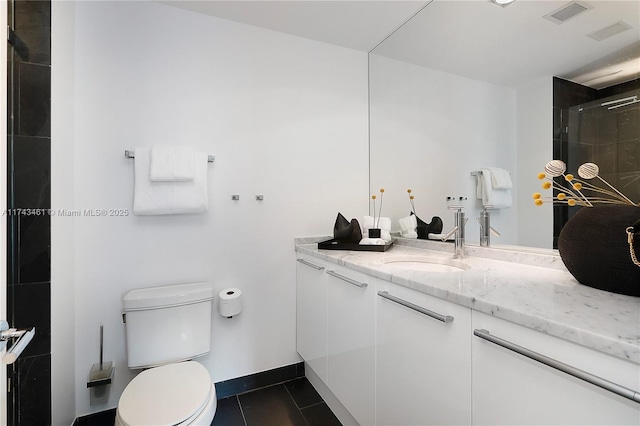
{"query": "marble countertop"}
(532, 289)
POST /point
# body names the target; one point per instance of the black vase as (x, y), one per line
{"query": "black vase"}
(594, 247)
(424, 229)
(345, 231)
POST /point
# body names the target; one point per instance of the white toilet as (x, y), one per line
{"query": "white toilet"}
(166, 327)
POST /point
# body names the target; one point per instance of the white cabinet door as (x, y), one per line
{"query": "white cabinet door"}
(423, 365)
(311, 314)
(351, 339)
(510, 388)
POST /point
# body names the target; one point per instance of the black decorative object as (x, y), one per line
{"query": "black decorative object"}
(345, 231)
(424, 229)
(594, 247)
(374, 232)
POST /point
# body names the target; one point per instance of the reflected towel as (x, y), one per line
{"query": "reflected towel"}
(491, 198)
(172, 164)
(409, 234)
(409, 223)
(500, 178)
(158, 198)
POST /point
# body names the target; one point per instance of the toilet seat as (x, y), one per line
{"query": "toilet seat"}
(170, 395)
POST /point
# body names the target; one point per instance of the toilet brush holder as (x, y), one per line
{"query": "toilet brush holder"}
(99, 383)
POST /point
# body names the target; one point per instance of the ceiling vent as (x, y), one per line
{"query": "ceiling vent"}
(566, 12)
(609, 31)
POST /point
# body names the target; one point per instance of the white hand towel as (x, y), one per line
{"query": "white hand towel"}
(157, 198)
(367, 222)
(440, 237)
(408, 223)
(172, 164)
(500, 178)
(384, 223)
(409, 234)
(372, 242)
(492, 198)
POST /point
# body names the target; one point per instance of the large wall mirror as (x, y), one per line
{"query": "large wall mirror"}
(466, 85)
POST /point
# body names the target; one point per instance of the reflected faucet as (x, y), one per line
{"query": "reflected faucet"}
(486, 229)
(458, 229)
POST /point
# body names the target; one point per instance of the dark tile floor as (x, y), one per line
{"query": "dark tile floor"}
(291, 403)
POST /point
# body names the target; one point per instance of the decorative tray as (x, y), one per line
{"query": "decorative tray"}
(335, 245)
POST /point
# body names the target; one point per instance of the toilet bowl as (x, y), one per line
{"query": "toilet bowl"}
(174, 394)
(166, 327)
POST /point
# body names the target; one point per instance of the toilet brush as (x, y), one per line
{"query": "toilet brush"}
(100, 377)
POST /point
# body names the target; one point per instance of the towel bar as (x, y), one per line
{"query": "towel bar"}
(132, 154)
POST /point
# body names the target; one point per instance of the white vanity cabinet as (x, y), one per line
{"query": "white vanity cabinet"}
(311, 313)
(423, 371)
(351, 340)
(510, 388)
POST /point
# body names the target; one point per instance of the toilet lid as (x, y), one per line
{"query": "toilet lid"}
(166, 395)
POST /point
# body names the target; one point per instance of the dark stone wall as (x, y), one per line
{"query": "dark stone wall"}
(609, 138)
(29, 198)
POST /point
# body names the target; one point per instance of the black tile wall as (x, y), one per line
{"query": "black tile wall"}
(33, 27)
(611, 139)
(34, 99)
(32, 175)
(29, 196)
(32, 309)
(32, 396)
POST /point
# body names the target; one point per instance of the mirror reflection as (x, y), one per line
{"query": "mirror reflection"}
(469, 85)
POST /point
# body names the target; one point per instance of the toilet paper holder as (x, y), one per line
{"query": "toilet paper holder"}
(24, 338)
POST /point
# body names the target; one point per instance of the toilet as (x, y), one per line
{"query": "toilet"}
(166, 327)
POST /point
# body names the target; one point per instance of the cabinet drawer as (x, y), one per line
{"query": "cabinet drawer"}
(511, 388)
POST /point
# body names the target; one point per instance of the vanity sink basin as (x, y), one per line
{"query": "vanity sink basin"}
(425, 264)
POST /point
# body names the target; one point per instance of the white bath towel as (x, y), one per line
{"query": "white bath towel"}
(500, 178)
(159, 198)
(492, 198)
(172, 164)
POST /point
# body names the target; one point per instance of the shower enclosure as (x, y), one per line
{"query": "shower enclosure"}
(607, 132)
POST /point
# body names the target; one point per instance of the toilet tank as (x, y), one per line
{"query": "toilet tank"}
(167, 324)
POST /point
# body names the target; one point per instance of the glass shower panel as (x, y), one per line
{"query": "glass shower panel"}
(607, 132)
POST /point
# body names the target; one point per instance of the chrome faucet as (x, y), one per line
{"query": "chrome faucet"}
(458, 229)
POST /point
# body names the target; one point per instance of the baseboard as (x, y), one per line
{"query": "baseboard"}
(223, 389)
(259, 380)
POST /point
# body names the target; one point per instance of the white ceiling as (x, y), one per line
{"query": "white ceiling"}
(515, 45)
(509, 46)
(356, 24)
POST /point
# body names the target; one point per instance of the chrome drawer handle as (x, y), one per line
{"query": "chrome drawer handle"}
(565, 368)
(347, 279)
(444, 318)
(304, 262)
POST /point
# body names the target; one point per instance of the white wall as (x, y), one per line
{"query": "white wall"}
(535, 149)
(429, 130)
(62, 231)
(285, 117)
